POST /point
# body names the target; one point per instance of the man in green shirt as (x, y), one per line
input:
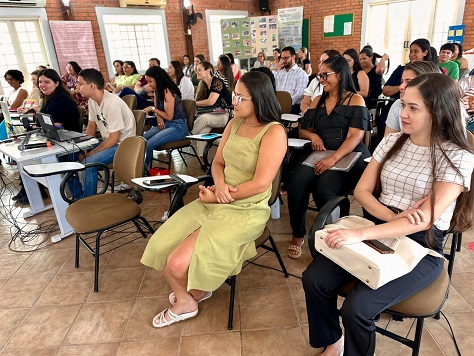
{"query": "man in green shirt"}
(445, 53)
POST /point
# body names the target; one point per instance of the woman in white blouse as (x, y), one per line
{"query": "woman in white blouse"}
(15, 78)
(175, 71)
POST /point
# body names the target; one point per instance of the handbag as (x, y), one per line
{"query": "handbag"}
(366, 262)
(219, 107)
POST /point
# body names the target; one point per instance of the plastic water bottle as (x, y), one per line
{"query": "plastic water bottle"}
(275, 209)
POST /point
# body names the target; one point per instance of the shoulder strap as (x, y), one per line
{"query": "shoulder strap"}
(350, 98)
(265, 129)
(236, 125)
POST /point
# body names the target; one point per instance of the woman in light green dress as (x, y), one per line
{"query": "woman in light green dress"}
(207, 240)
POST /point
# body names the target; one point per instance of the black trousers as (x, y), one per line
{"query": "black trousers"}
(324, 187)
(321, 281)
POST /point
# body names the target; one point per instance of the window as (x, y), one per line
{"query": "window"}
(213, 20)
(133, 34)
(21, 44)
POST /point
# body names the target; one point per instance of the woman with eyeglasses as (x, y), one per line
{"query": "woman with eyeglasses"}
(336, 121)
(261, 60)
(15, 78)
(197, 59)
(130, 78)
(213, 96)
(207, 241)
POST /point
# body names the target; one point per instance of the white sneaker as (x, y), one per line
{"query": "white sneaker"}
(122, 186)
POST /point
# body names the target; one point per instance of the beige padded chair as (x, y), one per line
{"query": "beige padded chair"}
(190, 108)
(139, 121)
(131, 101)
(284, 98)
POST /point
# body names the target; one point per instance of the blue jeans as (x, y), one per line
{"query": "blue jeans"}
(155, 137)
(90, 176)
(142, 101)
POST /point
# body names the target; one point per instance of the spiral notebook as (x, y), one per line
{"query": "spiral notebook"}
(344, 164)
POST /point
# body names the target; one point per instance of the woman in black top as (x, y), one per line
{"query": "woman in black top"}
(58, 102)
(336, 121)
(361, 80)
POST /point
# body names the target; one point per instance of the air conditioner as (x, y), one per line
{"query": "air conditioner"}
(146, 3)
(23, 3)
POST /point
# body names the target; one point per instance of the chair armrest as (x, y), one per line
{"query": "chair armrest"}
(322, 219)
(49, 169)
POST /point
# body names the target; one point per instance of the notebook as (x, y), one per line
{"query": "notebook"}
(50, 131)
(344, 164)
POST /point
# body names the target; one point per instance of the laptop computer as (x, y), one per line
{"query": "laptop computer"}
(61, 135)
(13, 128)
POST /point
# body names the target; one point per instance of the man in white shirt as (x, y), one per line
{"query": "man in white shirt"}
(115, 121)
(291, 78)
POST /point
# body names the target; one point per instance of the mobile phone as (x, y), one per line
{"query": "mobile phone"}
(209, 135)
(378, 246)
(155, 182)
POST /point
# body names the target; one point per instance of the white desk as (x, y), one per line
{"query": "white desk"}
(297, 143)
(44, 155)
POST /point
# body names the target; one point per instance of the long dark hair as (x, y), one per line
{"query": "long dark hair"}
(121, 65)
(351, 52)
(202, 91)
(178, 70)
(266, 106)
(459, 46)
(339, 65)
(54, 76)
(369, 52)
(441, 97)
(131, 64)
(163, 82)
(76, 67)
(227, 70)
(424, 44)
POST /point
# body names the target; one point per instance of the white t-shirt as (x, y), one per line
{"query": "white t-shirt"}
(314, 89)
(112, 115)
(186, 88)
(406, 177)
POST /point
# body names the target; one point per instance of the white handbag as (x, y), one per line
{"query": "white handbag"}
(366, 263)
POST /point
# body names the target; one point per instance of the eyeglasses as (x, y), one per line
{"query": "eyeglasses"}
(8, 79)
(285, 58)
(102, 119)
(237, 99)
(324, 76)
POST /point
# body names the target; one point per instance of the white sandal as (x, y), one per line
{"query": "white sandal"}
(295, 251)
(159, 321)
(172, 298)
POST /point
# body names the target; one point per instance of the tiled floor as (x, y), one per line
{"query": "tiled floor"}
(47, 307)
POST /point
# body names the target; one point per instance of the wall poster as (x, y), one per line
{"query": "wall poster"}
(290, 27)
(236, 37)
(264, 34)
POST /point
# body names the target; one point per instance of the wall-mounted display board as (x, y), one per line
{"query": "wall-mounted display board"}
(74, 41)
(264, 34)
(338, 25)
(236, 37)
(290, 27)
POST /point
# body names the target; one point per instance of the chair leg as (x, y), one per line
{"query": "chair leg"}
(417, 339)
(230, 323)
(203, 167)
(182, 157)
(76, 264)
(147, 224)
(96, 265)
(277, 253)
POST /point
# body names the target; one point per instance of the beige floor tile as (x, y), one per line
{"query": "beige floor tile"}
(253, 276)
(37, 352)
(43, 327)
(88, 350)
(464, 285)
(455, 303)
(139, 326)
(99, 323)
(166, 347)
(154, 284)
(23, 292)
(9, 321)
(86, 262)
(10, 263)
(127, 256)
(67, 288)
(119, 284)
(275, 342)
(228, 344)
(43, 262)
(299, 302)
(263, 308)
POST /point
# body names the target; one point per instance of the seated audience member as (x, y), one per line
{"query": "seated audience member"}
(460, 60)
(291, 78)
(186, 87)
(212, 92)
(224, 71)
(412, 70)
(235, 67)
(304, 61)
(142, 91)
(374, 72)
(445, 62)
(32, 102)
(170, 115)
(359, 77)
(274, 64)
(128, 80)
(261, 60)
(58, 101)
(433, 145)
(207, 241)
(15, 78)
(118, 65)
(197, 59)
(112, 117)
(70, 80)
(336, 120)
(188, 67)
(466, 89)
(315, 88)
(268, 72)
